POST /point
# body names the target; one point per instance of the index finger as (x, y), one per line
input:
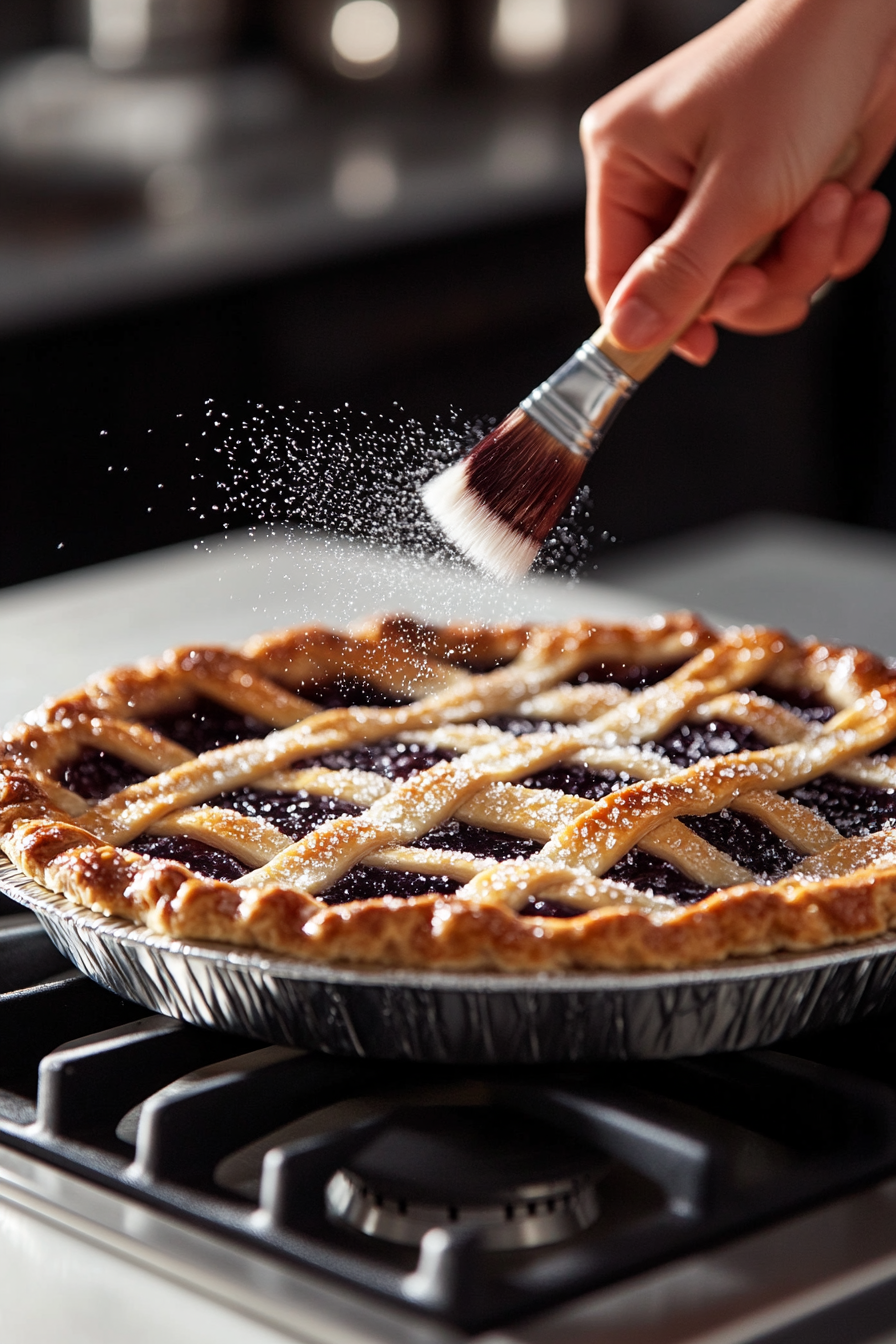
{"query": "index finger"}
(630, 203)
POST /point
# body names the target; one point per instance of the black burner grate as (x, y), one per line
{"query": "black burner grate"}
(691, 1152)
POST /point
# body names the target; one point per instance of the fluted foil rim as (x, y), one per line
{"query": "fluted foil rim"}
(525, 1018)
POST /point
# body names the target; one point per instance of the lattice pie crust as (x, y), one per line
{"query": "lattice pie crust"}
(839, 889)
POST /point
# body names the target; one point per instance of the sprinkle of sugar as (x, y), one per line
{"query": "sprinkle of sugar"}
(313, 478)
(360, 474)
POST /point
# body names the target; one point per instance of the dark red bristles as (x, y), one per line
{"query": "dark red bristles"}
(501, 501)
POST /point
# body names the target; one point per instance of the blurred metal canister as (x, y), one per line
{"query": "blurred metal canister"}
(387, 41)
(151, 34)
(546, 38)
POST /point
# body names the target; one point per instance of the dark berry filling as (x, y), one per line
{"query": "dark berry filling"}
(540, 905)
(199, 857)
(853, 809)
(647, 872)
(344, 691)
(208, 725)
(748, 841)
(394, 760)
(630, 676)
(97, 774)
(365, 884)
(691, 742)
(519, 727)
(295, 814)
(466, 839)
(807, 704)
(579, 780)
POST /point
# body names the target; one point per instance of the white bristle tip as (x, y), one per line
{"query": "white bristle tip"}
(474, 529)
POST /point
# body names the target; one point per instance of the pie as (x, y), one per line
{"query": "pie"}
(517, 798)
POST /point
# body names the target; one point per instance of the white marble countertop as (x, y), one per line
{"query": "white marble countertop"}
(55, 632)
(805, 575)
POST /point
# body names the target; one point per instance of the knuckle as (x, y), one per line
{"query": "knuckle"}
(592, 125)
(602, 121)
(678, 266)
(592, 284)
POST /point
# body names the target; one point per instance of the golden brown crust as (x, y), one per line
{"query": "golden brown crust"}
(479, 928)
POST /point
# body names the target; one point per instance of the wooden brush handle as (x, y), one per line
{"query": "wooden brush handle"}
(639, 363)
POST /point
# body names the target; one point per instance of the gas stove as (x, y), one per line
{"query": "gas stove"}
(741, 1197)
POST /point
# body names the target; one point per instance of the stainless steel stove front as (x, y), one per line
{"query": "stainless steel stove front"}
(80, 1264)
(827, 1276)
(162, 1182)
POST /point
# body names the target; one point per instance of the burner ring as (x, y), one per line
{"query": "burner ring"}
(537, 1215)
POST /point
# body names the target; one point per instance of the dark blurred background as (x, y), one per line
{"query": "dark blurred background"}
(204, 202)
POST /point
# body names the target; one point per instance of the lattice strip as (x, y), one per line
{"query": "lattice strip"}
(119, 818)
(250, 839)
(513, 882)
(574, 703)
(735, 661)
(506, 809)
(607, 726)
(248, 693)
(388, 659)
(846, 856)
(614, 824)
(131, 742)
(799, 825)
(779, 725)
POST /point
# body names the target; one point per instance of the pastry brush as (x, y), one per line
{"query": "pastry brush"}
(499, 503)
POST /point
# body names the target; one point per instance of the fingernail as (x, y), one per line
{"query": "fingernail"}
(830, 208)
(634, 323)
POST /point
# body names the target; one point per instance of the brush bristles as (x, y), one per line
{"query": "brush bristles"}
(467, 521)
(502, 500)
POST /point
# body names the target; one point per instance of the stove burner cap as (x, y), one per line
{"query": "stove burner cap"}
(522, 1183)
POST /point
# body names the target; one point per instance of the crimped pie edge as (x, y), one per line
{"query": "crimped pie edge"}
(431, 931)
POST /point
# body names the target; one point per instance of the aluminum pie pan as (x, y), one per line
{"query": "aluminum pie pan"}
(469, 1017)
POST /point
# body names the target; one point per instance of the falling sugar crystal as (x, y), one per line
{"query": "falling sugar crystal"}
(355, 474)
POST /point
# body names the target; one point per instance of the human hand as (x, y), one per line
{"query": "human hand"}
(728, 140)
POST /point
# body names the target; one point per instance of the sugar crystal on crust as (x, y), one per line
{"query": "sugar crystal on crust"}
(602, 852)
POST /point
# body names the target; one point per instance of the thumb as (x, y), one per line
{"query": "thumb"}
(673, 279)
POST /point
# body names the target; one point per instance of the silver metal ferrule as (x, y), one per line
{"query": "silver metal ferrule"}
(577, 404)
